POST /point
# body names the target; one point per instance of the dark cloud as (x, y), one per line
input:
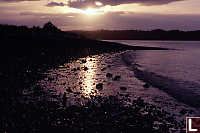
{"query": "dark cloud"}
(52, 4)
(110, 20)
(42, 15)
(83, 3)
(89, 3)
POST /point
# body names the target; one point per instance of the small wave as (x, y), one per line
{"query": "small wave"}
(182, 91)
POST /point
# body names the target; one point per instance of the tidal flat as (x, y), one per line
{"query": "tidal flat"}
(96, 93)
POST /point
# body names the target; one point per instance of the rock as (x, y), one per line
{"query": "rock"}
(69, 90)
(50, 78)
(127, 95)
(74, 69)
(77, 93)
(78, 68)
(123, 88)
(83, 61)
(146, 85)
(109, 75)
(85, 68)
(103, 69)
(64, 99)
(121, 95)
(183, 111)
(99, 86)
(140, 101)
(117, 78)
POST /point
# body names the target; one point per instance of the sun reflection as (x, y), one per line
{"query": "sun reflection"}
(88, 72)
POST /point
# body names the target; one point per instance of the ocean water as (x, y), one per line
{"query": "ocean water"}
(176, 71)
(182, 63)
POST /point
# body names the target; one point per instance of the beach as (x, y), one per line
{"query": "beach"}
(96, 82)
(91, 85)
(53, 82)
(99, 66)
(82, 77)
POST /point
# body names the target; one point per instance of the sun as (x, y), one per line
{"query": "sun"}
(97, 3)
(91, 11)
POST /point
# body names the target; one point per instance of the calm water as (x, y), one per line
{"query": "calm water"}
(177, 71)
(182, 63)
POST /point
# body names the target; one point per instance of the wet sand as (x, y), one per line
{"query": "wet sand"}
(105, 75)
(83, 87)
(87, 94)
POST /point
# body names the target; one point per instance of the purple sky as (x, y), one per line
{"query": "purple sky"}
(103, 14)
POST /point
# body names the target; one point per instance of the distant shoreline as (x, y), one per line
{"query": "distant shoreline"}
(158, 34)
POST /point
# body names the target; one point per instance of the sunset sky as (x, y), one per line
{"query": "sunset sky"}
(103, 14)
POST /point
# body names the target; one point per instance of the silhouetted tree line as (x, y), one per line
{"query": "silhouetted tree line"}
(48, 30)
(157, 34)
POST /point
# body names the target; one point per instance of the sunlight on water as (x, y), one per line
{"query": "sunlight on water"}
(89, 75)
(77, 79)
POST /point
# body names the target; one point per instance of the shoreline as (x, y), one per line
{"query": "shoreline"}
(25, 59)
(21, 62)
(165, 84)
(122, 113)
